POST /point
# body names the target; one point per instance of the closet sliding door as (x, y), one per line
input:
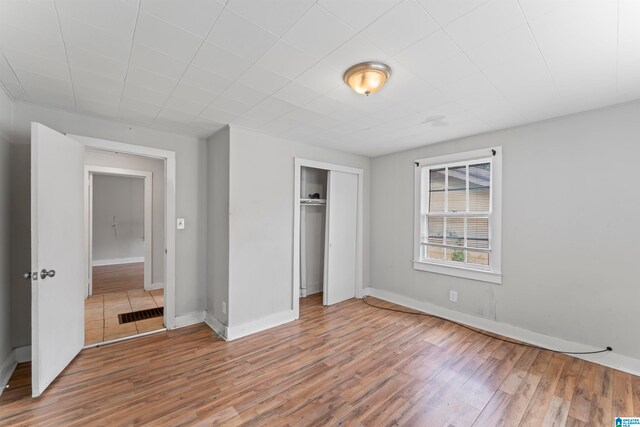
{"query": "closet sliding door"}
(340, 237)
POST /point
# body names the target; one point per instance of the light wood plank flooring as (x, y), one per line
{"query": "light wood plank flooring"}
(101, 315)
(117, 278)
(348, 364)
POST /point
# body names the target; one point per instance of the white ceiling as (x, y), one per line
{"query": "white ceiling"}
(191, 66)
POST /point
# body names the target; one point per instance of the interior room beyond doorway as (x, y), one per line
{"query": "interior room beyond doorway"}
(125, 211)
(102, 322)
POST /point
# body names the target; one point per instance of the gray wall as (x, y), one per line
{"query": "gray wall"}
(156, 167)
(261, 220)
(6, 121)
(118, 217)
(569, 251)
(218, 285)
(20, 212)
(191, 197)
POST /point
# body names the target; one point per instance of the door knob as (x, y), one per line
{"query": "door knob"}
(29, 275)
(44, 273)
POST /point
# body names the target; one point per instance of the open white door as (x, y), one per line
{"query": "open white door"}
(340, 237)
(57, 253)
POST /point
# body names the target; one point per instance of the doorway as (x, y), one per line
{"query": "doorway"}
(129, 295)
(123, 228)
(328, 233)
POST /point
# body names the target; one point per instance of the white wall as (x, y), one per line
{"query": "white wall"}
(191, 196)
(6, 123)
(145, 164)
(118, 217)
(570, 208)
(261, 221)
(218, 181)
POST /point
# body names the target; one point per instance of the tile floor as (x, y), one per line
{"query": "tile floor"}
(101, 314)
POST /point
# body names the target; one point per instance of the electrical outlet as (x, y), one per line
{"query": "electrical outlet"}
(453, 296)
(180, 223)
(224, 307)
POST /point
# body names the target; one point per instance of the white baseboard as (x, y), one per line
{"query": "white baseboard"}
(23, 354)
(267, 322)
(7, 367)
(609, 359)
(307, 292)
(360, 293)
(189, 319)
(219, 327)
(114, 261)
(154, 286)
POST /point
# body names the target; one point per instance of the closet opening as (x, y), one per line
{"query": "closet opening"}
(313, 203)
(328, 218)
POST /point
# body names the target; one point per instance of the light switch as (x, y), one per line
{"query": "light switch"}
(180, 223)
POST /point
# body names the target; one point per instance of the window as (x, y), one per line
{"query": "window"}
(458, 215)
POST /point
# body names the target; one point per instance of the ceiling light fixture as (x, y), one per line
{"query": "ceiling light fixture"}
(367, 77)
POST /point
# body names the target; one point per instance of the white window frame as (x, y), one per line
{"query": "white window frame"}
(493, 272)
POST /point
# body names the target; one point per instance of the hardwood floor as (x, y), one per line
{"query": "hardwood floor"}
(109, 279)
(101, 315)
(348, 364)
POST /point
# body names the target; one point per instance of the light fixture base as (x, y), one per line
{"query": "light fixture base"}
(367, 78)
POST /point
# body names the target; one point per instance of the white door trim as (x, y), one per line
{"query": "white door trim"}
(169, 158)
(147, 176)
(298, 165)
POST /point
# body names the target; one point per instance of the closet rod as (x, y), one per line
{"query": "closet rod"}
(317, 202)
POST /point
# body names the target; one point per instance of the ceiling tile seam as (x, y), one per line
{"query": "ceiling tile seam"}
(461, 16)
(9, 94)
(101, 56)
(259, 58)
(411, 72)
(470, 60)
(546, 64)
(617, 45)
(373, 43)
(421, 38)
(15, 75)
(338, 47)
(126, 122)
(159, 18)
(278, 117)
(25, 30)
(346, 23)
(297, 125)
(385, 14)
(293, 80)
(66, 55)
(204, 40)
(126, 74)
(480, 119)
(314, 64)
(269, 31)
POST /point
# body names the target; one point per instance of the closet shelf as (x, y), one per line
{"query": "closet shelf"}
(313, 201)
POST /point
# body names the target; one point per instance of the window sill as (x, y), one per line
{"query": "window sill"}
(467, 273)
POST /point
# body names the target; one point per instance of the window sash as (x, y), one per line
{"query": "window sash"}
(425, 204)
(462, 248)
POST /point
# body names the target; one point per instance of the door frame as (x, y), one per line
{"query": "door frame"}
(169, 158)
(299, 163)
(147, 177)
